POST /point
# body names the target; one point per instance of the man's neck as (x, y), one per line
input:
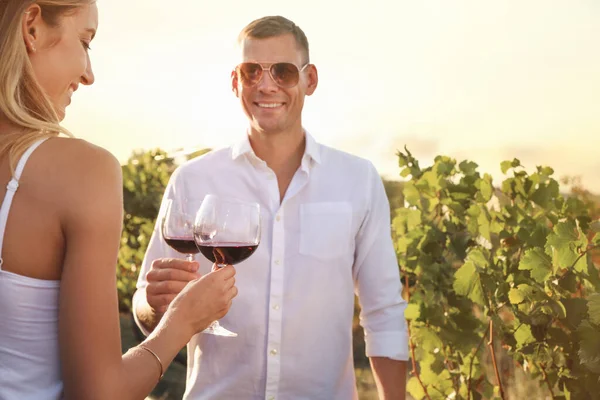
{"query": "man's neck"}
(281, 151)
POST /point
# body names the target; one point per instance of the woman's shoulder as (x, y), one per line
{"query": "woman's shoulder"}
(66, 165)
(77, 158)
(71, 152)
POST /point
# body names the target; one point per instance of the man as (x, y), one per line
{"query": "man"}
(326, 235)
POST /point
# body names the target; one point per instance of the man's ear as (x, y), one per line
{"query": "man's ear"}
(234, 83)
(313, 79)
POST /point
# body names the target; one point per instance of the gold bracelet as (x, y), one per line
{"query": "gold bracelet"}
(141, 346)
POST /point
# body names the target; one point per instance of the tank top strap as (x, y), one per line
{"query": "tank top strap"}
(11, 189)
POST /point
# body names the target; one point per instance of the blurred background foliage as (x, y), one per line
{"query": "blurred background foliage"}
(145, 176)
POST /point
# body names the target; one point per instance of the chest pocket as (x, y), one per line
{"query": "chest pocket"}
(325, 229)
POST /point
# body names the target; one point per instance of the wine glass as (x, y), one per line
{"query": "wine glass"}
(178, 228)
(226, 231)
(178, 232)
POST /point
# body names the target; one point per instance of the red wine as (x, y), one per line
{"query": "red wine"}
(184, 245)
(227, 253)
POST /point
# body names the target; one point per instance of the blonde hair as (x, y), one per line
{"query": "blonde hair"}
(271, 26)
(23, 103)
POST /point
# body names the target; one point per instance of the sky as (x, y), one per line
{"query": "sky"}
(479, 80)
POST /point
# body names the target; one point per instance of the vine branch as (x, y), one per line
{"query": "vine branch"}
(412, 344)
(470, 377)
(547, 381)
(449, 366)
(583, 254)
(493, 353)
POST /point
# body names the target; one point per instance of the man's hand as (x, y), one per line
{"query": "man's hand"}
(166, 279)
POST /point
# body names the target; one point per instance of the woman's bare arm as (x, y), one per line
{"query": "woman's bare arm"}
(93, 367)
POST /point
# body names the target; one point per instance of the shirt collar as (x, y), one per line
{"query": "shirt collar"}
(242, 147)
(312, 149)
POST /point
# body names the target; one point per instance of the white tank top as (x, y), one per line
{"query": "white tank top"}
(29, 355)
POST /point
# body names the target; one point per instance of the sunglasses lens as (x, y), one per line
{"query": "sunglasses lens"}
(250, 73)
(285, 74)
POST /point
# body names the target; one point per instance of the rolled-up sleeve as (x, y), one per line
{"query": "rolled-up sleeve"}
(377, 279)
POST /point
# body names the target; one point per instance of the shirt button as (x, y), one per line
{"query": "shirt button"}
(278, 218)
(274, 352)
(276, 307)
(276, 262)
(271, 397)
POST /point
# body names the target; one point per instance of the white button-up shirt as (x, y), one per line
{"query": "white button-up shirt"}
(327, 240)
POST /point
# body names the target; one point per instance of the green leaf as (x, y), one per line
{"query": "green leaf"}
(576, 311)
(411, 194)
(467, 282)
(538, 236)
(468, 167)
(402, 245)
(558, 309)
(520, 293)
(485, 188)
(506, 165)
(593, 306)
(515, 296)
(444, 165)
(430, 180)
(405, 172)
(569, 282)
(473, 227)
(404, 159)
(592, 274)
(413, 218)
(479, 257)
(414, 388)
(564, 245)
(523, 335)
(426, 338)
(558, 337)
(545, 171)
(544, 194)
(589, 346)
(553, 188)
(536, 261)
(412, 311)
(483, 222)
(487, 392)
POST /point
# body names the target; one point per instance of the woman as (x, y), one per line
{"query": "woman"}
(60, 225)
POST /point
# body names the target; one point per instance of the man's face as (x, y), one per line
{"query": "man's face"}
(270, 108)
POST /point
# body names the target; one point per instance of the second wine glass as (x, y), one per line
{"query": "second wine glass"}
(178, 229)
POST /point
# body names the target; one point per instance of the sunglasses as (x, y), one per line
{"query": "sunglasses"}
(285, 75)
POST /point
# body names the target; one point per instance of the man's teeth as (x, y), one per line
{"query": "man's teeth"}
(269, 105)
